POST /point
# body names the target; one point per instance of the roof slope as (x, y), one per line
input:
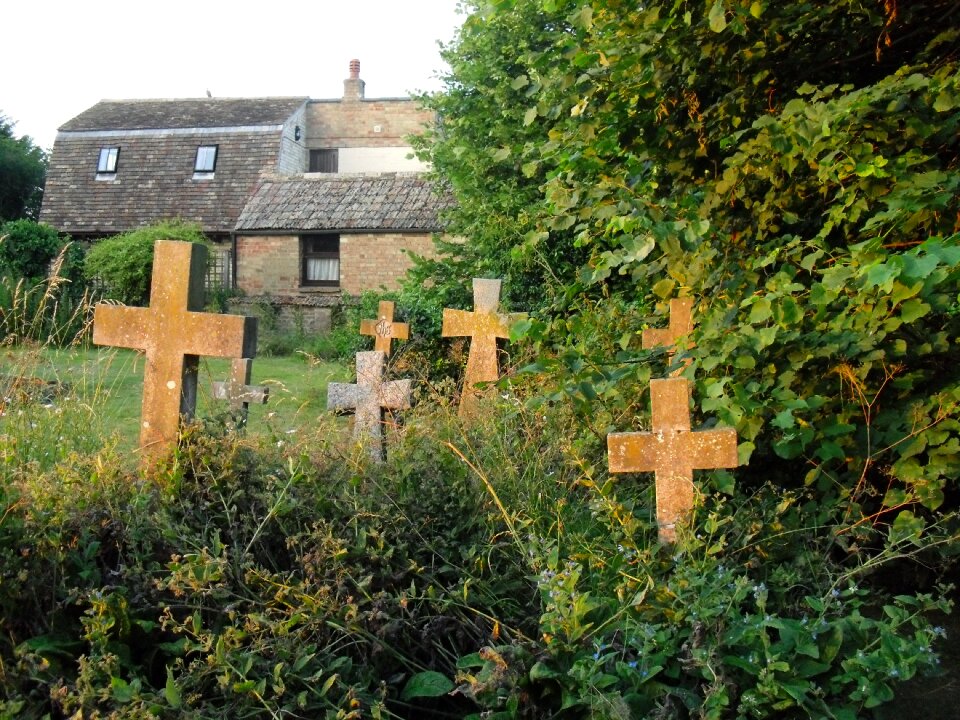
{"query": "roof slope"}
(186, 113)
(154, 180)
(385, 202)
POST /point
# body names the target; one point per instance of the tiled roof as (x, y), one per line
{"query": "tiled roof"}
(154, 180)
(386, 202)
(188, 113)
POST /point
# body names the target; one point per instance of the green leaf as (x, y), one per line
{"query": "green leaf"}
(718, 17)
(529, 116)
(906, 526)
(170, 691)
(756, 9)
(913, 309)
(542, 671)
(427, 684)
(121, 690)
(663, 288)
(473, 660)
(519, 82)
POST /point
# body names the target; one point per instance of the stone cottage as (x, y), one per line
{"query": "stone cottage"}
(304, 199)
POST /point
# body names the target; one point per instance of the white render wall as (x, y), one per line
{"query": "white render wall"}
(378, 159)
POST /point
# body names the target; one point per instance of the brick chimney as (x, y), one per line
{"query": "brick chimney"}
(353, 85)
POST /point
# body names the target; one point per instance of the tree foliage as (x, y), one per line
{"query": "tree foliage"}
(791, 166)
(123, 264)
(23, 170)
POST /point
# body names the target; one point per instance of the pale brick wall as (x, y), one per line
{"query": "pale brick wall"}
(270, 265)
(368, 261)
(364, 123)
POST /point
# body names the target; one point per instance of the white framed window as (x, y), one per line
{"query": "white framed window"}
(107, 162)
(206, 161)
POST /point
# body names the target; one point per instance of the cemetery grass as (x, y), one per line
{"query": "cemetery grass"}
(109, 382)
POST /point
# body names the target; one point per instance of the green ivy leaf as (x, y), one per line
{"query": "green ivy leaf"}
(427, 684)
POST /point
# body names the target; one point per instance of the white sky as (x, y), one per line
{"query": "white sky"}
(62, 56)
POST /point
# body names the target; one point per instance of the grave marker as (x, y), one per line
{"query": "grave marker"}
(681, 323)
(672, 451)
(173, 333)
(238, 390)
(368, 398)
(484, 325)
(384, 329)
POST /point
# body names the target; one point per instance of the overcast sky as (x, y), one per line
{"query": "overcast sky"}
(63, 56)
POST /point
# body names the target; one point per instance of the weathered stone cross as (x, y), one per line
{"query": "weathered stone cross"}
(173, 333)
(681, 323)
(484, 325)
(672, 451)
(384, 329)
(368, 399)
(238, 389)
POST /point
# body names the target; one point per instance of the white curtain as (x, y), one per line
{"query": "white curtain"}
(323, 269)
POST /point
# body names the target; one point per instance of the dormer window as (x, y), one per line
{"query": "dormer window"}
(206, 161)
(107, 163)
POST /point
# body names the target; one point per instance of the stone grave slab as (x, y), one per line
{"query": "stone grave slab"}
(368, 398)
(238, 391)
(484, 325)
(672, 451)
(173, 333)
(384, 329)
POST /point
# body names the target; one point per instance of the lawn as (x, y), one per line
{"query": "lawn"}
(111, 381)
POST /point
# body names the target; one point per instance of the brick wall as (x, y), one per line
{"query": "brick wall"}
(368, 261)
(364, 123)
(270, 265)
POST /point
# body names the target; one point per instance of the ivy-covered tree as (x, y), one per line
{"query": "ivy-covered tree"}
(795, 168)
(23, 170)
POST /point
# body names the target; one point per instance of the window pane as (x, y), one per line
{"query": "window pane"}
(206, 158)
(323, 269)
(107, 162)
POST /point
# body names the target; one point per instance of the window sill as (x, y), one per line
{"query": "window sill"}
(106, 177)
(203, 175)
(322, 289)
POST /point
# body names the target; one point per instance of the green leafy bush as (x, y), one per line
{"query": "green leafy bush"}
(123, 264)
(27, 249)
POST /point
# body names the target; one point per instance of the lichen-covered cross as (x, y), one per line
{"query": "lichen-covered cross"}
(484, 325)
(238, 390)
(672, 451)
(681, 323)
(384, 329)
(368, 398)
(173, 333)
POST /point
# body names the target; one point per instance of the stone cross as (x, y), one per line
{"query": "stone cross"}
(384, 329)
(368, 399)
(672, 451)
(173, 333)
(238, 389)
(484, 325)
(681, 323)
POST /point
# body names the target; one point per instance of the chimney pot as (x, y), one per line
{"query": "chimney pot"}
(353, 86)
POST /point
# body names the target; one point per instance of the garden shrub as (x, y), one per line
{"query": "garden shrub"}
(123, 264)
(27, 249)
